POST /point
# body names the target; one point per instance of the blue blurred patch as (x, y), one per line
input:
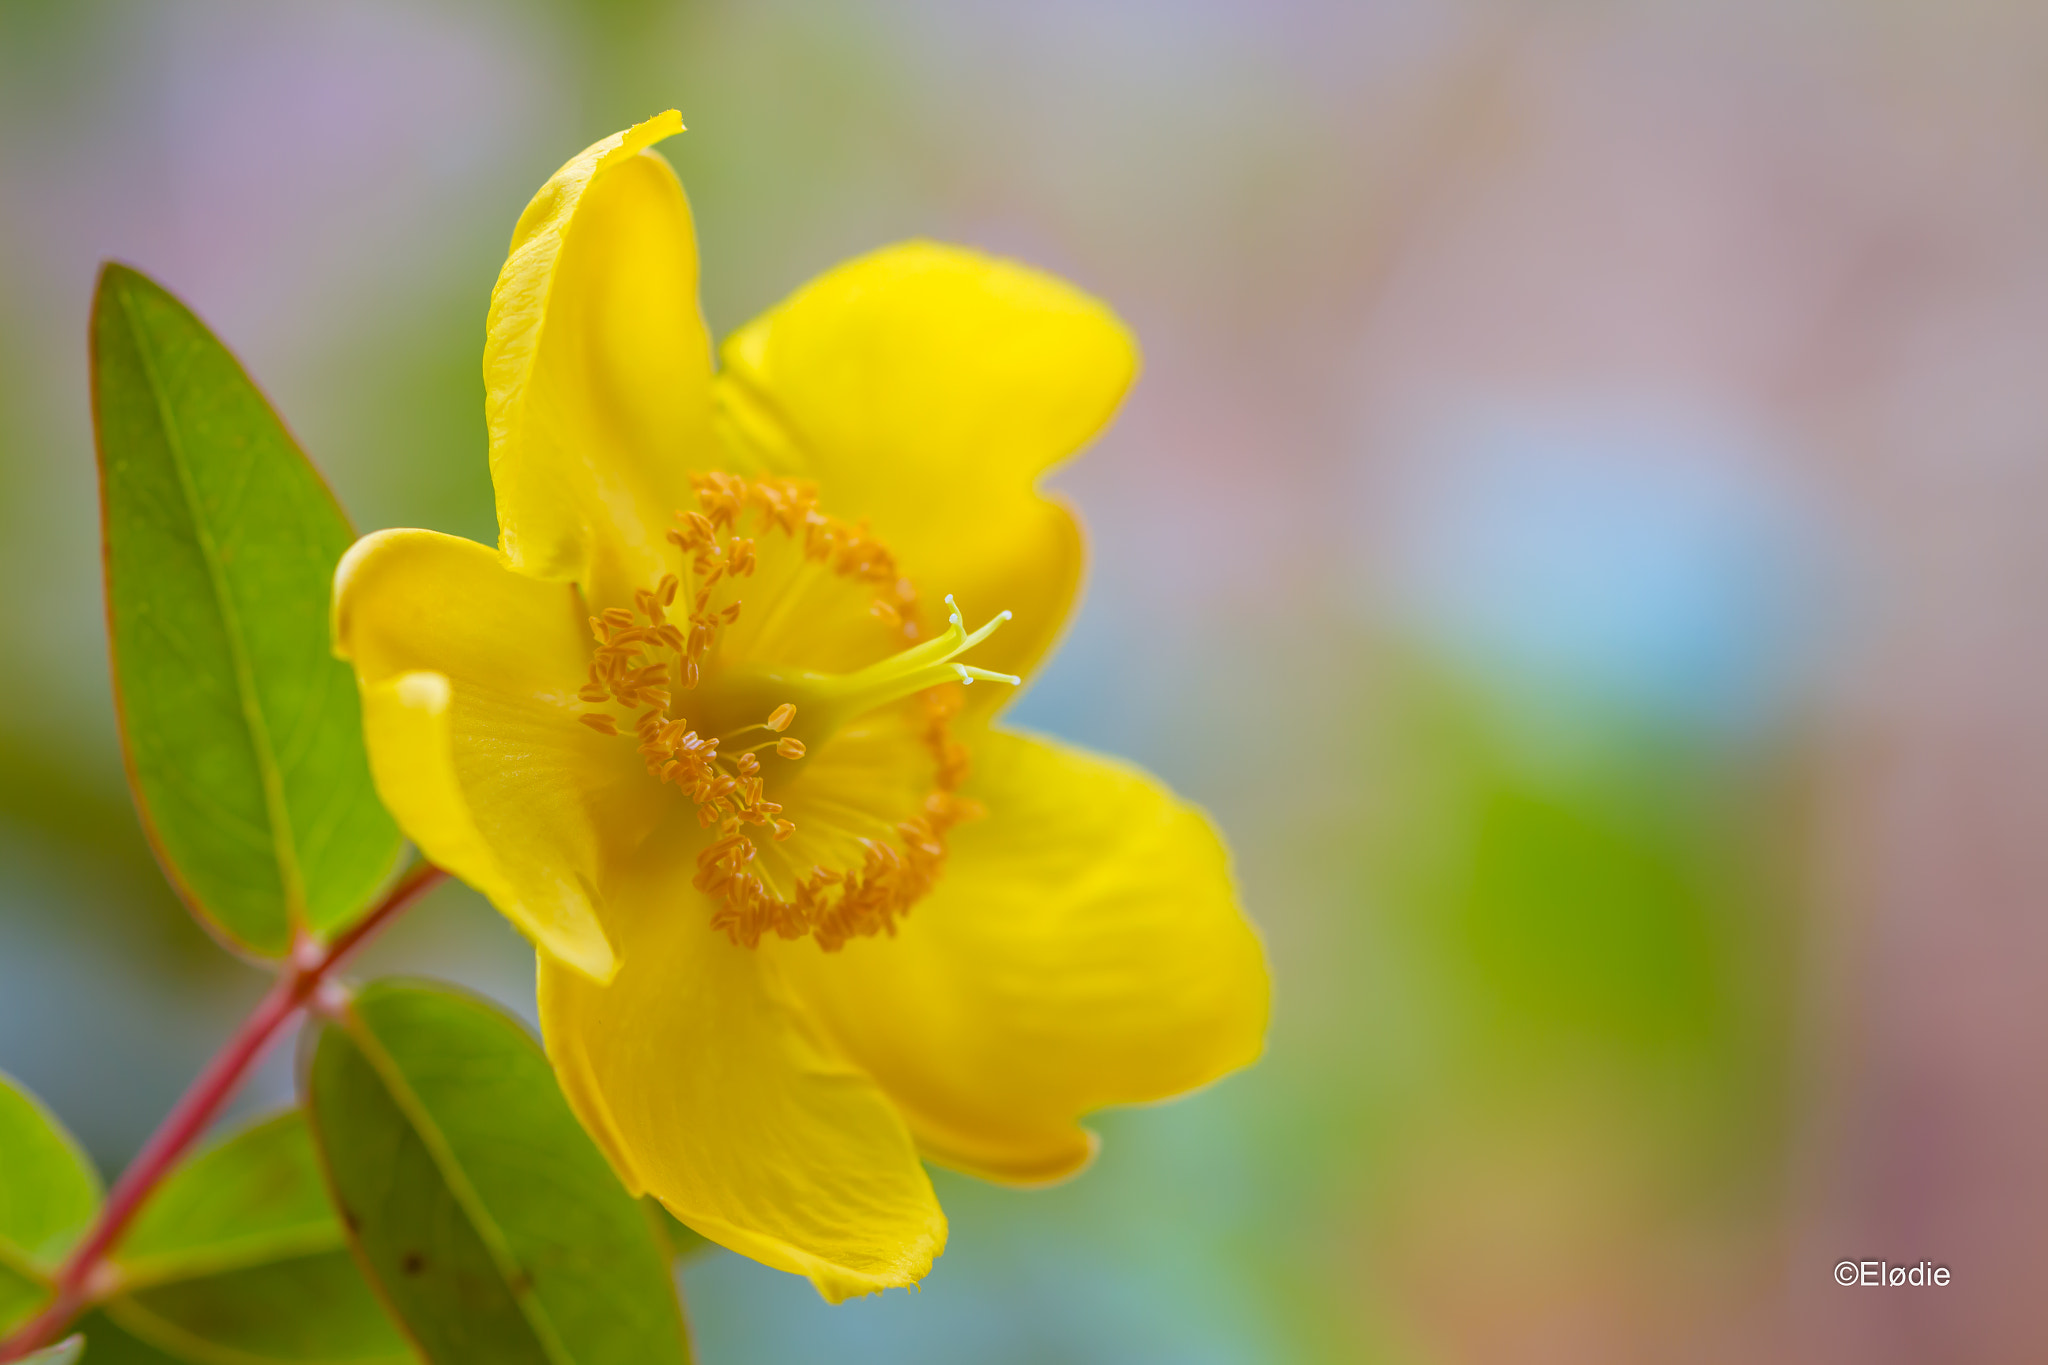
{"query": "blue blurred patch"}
(1654, 563)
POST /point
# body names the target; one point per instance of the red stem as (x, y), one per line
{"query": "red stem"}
(298, 977)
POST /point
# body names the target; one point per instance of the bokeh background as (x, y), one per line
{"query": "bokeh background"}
(1580, 531)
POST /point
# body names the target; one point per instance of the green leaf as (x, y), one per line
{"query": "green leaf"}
(313, 1308)
(112, 1346)
(238, 1257)
(22, 1296)
(496, 1229)
(48, 1196)
(243, 732)
(257, 1196)
(65, 1352)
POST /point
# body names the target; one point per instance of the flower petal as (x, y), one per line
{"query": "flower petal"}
(597, 369)
(710, 1093)
(469, 673)
(926, 388)
(1083, 948)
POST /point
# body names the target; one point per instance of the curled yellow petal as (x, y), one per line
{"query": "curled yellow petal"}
(412, 757)
(469, 672)
(1084, 948)
(926, 388)
(597, 369)
(708, 1091)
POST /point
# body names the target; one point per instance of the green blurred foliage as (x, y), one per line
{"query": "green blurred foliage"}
(1590, 918)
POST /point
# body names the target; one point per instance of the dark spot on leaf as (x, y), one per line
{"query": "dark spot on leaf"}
(350, 1221)
(520, 1281)
(413, 1263)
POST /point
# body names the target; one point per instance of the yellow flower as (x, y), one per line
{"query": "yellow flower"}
(702, 728)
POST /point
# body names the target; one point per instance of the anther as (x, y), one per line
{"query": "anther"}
(643, 654)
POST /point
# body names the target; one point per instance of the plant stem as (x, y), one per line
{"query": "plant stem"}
(299, 976)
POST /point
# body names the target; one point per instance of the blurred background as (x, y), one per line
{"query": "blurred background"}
(1578, 530)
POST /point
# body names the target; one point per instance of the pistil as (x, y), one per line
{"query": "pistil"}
(831, 700)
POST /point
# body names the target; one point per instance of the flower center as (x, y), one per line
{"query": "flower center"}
(788, 643)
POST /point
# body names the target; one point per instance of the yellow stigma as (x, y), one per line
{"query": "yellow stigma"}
(831, 700)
